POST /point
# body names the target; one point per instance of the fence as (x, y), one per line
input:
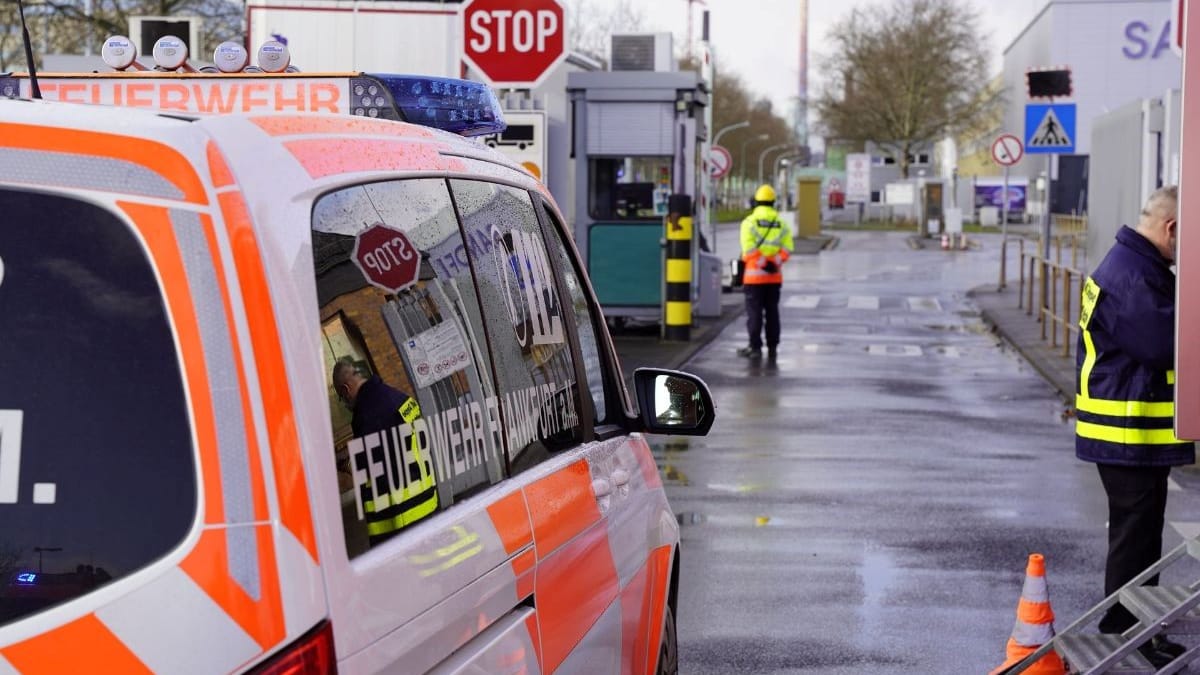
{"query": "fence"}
(1052, 282)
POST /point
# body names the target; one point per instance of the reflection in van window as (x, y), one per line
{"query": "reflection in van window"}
(585, 321)
(526, 322)
(99, 478)
(415, 416)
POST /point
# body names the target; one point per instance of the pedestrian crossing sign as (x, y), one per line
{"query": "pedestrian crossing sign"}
(1049, 128)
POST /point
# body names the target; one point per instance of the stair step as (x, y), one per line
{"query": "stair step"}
(1083, 652)
(1151, 603)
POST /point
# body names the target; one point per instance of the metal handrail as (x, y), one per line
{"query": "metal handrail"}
(1048, 297)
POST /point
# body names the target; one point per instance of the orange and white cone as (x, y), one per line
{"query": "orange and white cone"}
(1035, 623)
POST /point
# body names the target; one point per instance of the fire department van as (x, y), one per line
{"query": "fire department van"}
(299, 393)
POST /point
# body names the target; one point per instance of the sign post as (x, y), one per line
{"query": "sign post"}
(513, 43)
(1049, 130)
(858, 181)
(1006, 151)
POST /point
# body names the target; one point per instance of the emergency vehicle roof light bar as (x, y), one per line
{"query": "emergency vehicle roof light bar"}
(461, 107)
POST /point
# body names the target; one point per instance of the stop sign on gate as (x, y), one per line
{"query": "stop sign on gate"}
(513, 43)
(386, 258)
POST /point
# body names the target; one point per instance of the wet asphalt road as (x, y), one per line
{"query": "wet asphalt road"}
(868, 504)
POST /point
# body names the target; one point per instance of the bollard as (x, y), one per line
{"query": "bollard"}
(677, 302)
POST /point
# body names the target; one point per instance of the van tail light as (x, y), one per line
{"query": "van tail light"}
(312, 654)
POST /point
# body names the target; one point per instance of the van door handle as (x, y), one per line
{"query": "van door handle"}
(601, 487)
(620, 478)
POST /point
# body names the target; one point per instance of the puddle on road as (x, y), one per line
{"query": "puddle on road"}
(687, 518)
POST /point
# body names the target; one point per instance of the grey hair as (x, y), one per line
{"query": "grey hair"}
(343, 370)
(1163, 202)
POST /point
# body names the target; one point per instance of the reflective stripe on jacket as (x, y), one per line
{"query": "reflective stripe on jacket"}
(766, 241)
(1125, 399)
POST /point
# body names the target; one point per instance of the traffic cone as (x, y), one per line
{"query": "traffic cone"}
(945, 242)
(1035, 623)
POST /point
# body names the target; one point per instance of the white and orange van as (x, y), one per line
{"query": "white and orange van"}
(306, 393)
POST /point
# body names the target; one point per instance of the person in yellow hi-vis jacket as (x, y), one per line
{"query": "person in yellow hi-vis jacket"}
(377, 408)
(766, 245)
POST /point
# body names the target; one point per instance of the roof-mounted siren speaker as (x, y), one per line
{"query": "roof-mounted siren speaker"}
(170, 53)
(230, 57)
(147, 31)
(273, 57)
(119, 52)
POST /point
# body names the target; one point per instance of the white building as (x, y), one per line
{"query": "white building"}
(1118, 51)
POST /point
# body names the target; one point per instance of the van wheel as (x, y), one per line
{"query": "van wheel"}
(668, 650)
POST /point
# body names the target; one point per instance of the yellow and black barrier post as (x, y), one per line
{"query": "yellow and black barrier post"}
(677, 300)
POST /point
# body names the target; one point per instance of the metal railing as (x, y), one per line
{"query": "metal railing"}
(1054, 282)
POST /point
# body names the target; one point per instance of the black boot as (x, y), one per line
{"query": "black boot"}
(750, 352)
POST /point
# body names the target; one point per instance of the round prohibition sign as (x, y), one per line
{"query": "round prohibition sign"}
(1007, 150)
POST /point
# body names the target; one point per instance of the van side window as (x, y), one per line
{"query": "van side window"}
(581, 314)
(526, 321)
(415, 416)
(97, 477)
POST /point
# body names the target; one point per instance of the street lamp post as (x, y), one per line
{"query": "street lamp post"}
(766, 152)
(742, 164)
(44, 549)
(712, 202)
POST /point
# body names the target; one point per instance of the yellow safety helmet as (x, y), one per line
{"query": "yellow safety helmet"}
(765, 194)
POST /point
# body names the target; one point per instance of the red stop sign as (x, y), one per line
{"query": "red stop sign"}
(387, 258)
(513, 43)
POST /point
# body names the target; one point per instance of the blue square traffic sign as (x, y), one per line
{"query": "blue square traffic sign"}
(1049, 128)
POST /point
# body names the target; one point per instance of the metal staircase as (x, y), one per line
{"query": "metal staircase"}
(1161, 610)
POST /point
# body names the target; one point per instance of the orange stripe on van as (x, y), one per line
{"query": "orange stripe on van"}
(158, 157)
(154, 224)
(290, 483)
(574, 587)
(523, 566)
(561, 505)
(535, 638)
(208, 566)
(659, 566)
(300, 125)
(85, 645)
(511, 520)
(322, 157)
(221, 175)
(635, 616)
(254, 469)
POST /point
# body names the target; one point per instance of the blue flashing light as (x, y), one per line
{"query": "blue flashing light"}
(27, 578)
(459, 106)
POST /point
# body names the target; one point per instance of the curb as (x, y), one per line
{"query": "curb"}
(1067, 397)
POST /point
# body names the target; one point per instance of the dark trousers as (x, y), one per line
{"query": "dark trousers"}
(762, 300)
(1137, 504)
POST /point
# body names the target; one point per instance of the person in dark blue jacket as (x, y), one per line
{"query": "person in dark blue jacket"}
(1125, 397)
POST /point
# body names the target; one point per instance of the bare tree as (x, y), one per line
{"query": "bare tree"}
(905, 75)
(67, 26)
(590, 24)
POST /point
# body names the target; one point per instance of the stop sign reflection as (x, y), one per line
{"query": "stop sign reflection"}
(386, 257)
(513, 43)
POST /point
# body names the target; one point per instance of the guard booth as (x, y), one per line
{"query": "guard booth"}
(637, 138)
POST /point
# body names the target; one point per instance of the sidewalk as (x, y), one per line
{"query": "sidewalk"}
(1024, 333)
(639, 346)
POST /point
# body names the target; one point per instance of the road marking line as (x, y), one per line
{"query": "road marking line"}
(950, 352)
(863, 302)
(1172, 486)
(924, 304)
(802, 301)
(812, 349)
(894, 350)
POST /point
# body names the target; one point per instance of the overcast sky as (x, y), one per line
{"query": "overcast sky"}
(760, 39)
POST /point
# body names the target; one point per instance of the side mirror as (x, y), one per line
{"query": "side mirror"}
(673, 402)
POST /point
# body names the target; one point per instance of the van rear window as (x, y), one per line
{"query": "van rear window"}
(97, 477)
